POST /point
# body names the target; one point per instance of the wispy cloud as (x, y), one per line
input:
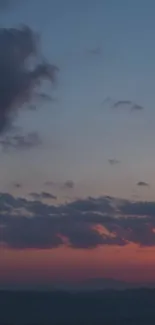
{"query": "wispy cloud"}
(21, 142)
(17, 185)
(42, 195)
(69, 184)
(128, 104)
(143, 184)
(96, 51)
(113, 162)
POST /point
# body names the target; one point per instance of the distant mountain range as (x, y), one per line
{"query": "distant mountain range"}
(82, 286)
(107, 307)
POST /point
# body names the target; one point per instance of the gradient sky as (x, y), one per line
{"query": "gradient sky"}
(105, 51)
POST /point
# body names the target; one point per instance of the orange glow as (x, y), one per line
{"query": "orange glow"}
(129, 263)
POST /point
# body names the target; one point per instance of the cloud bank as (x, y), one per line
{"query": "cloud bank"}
(81, 224)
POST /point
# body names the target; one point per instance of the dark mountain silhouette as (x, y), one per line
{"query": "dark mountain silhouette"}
(109, 307)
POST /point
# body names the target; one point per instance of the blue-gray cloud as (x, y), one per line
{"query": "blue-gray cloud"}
(18, 79)
(76, 224)
(21, 142)
(128, 104)
(69, 184)
(42, 195)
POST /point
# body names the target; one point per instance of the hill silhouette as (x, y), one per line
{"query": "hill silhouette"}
(109, 307)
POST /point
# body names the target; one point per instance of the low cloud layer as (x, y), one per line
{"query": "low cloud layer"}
(82, 224)
(19, 77)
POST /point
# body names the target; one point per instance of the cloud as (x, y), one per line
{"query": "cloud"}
(96, 51)
(137, 107)
(19, 78)
(128, 104)
(81, 224)
(64, 185)
(113, 161)
(21, 142)
(143, 184)
(121, 103)
(43, 195)
(17, 185)
(69, 184)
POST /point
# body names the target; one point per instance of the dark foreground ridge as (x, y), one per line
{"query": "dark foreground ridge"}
(107, 307)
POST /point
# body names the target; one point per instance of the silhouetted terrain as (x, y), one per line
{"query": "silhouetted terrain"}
(106, 307)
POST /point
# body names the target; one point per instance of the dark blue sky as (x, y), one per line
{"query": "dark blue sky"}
(104, 49)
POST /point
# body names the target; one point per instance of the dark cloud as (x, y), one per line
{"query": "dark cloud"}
(82, 224)
(17, 185)
(19, 77)
(66, 185)
(143, 184)
(121, 103)
(43, 195)
(69, 184)
(137, 107)
(139, 208)
(113, 161)
(21, 142)
(96, 51)
(129, 104)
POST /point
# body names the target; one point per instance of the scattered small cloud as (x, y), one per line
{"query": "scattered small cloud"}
(121, 103)
(137, 107)
(96, 51)
(127, 103)
(113, 162)
(69, 184)
(17, 185)
(143, 184)
(42, 195)
(64, 185)
(21, 142)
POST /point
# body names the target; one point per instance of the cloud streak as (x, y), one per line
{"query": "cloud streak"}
(127, 104)
(143, 184)
(21, 142)
(69, 184)
(42, 196)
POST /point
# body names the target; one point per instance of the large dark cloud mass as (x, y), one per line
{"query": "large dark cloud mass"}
(82, 224)
(21, 70)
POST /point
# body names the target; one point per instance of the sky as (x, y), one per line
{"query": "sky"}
(77, 170)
